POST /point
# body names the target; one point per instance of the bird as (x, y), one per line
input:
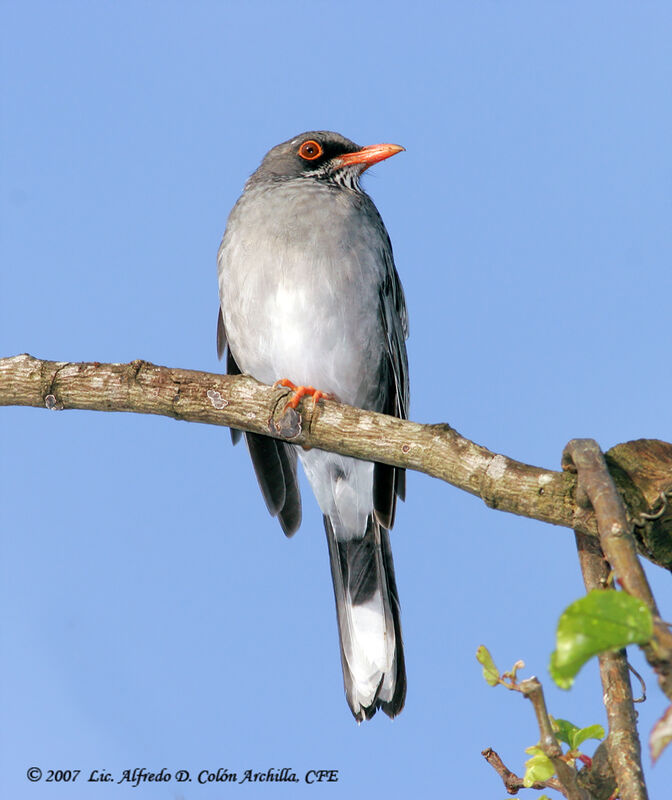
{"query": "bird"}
(310, 297)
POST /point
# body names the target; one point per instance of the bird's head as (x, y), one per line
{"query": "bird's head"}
(324, 156)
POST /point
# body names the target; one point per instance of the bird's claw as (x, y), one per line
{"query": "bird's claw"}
(299, 392)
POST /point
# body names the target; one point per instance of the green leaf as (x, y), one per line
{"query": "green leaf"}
(591, 732)
(570, 734)
(564, 730)
(602, 620)
(538, 768)
(490, 671)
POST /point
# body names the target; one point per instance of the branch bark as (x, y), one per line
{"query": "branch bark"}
(622, 743)
(567, 775)
(596, 488)
(437, 450)
(512, 782)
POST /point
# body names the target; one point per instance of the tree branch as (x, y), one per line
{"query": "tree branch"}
(622, 743)
(512, 782)
(437, 450)
(596, 489)
(567, 775)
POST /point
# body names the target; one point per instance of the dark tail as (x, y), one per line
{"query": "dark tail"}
(367, 606)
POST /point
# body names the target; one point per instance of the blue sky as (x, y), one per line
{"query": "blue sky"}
(153, 615)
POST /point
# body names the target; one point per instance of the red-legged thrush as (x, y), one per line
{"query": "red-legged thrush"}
(309, 292)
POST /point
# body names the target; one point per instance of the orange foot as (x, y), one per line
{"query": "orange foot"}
(299, 392)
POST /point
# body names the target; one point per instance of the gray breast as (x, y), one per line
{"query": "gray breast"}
(300, 269)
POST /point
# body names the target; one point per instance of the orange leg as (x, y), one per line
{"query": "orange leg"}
(299, 392)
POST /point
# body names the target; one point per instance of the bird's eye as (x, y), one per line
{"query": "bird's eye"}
(310, 150)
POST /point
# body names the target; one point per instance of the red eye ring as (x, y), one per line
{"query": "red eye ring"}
(310, 150)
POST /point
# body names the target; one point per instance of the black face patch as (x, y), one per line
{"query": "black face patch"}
(307, 154)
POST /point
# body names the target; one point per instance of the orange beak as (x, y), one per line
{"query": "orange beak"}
(369, 155)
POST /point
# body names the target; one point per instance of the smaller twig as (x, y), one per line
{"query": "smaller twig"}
(643, 517)
(533, 690)
(642, 685)
(512, 782)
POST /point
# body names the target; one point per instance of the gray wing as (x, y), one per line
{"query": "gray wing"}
(390, 482)
(361, 564)
(274, 462)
